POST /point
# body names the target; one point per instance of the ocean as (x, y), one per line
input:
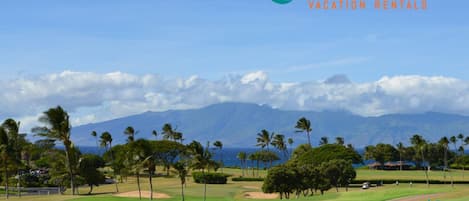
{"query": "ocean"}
(229, 155)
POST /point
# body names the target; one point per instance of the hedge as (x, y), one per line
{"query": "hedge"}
(210, 178)
(247, 179)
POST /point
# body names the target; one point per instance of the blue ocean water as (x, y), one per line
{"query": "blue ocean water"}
(229, 155)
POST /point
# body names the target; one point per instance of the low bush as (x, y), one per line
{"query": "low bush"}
(210, 178)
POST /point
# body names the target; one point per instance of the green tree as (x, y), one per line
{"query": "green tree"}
(419, 145)
(264, 139)
(242, 157)
(154, 133)
(95, 135)
(201, 160)
(106, 141)
(6, 153)
(219, 145)
(171, 134)
(324, 140)
(278, 142)
(166, 152)
(17, 142)
(57, 127)
(130, 132)
(182, 172)
(381, 153)
(280, 179)
(88, 165)
(339, 140)
(339, 172)
(316, 156)
(304, 125)
(400, 148)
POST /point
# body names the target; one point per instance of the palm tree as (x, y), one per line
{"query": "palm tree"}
(461, 152)
(57, 128)
(5, 154)
(180, 167)
(242, 156)
(106, 140)
(444, 141)
(219, 145)
(201, 160)
(304, 125)
(130, 132)
(324, 140)
(278, 142)
(453, 140)
(290, 142)
(339, 140)
(400, 148)
(419, 145)
(17, 142)
(154, 133)
(95, 135)
(168, 132)
(264, 138)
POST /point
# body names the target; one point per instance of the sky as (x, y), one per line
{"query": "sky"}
(112, 58)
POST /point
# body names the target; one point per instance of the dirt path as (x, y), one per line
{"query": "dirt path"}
(419, 198)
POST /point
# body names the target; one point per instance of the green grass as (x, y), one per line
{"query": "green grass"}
(234, 191)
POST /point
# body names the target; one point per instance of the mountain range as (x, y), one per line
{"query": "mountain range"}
(237, 124)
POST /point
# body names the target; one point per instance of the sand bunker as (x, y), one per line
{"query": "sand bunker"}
(145, 194)
(251, 187)
(260, 195)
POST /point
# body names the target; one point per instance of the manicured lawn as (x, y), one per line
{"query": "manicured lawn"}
(234, 191)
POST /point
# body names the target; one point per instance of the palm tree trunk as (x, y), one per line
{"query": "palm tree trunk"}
(182, 191)
(426, 170)
(309, 139)
(446, 163)
(400, 161)
(18, 184)
(151, 184)
(138, 185)
(91, 189)
(114, 171)
(70, 170)
(205, 185)
(5, 166)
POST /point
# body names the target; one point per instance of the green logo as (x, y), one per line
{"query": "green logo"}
(282, 1)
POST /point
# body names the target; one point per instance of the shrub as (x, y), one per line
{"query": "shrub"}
(210, 178)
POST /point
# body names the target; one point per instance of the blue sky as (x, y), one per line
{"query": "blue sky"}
(215, 38)
(110, 58)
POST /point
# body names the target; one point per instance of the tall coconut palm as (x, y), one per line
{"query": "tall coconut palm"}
(16, 142)
(419, 145)
(264, 138)
(180, 167)
(154, 133)
(106, 140)
(324, 140)
(57, 128)
(304, 125)
(400, 148)
(453, 139)
(201, 160)
(5, 155)
(219, 145)
(444, 141)
(461, 154)
(168, 132)
(130, 132)
(278, 142)
(290, 142)
(339, 140)
(242, 156)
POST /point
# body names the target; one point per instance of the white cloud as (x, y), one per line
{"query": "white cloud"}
(92, 97)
